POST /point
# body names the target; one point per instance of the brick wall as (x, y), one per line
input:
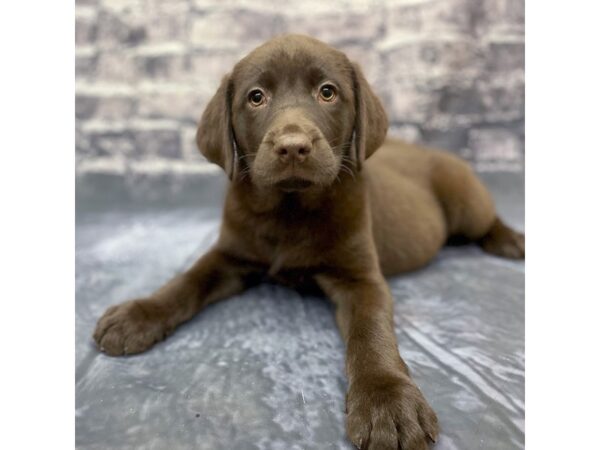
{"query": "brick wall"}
(450, 72)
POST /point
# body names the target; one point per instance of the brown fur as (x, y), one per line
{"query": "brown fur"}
(318, 197)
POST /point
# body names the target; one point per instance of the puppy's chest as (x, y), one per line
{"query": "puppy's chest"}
(288, 235)
(291, 242)
(288, 245)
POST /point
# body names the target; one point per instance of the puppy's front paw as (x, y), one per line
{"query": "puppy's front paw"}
(131, 327)
(389, 412)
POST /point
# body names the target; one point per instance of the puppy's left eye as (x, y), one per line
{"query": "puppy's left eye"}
(256, 97)
(327, 93)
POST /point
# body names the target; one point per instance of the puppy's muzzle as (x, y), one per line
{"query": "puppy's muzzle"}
(294, 154)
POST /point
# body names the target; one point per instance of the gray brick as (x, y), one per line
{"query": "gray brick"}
(167, 21)
(427, 59)
(104, 107)
(504, 12)
(189, 149)
(165, 143)
(117, 65)
(112, 143)
(414, 106)
(116, 108)
(85, 106)
(85, 30)
(460, 100)
(85, 64)
(504, 102)
(235, 29)
(410, 133)
(461, 16)
(167, 67)
(495, 148)
(505, 56)
(405, 18)
(454, 139)
(82, 144)
(146, 22)
(371, 62)
(207, 68)
(494, 143)
(183, 105)
(335, 28)
(437, 17)
(307, 6)
(466, 105)
(115, 30)
(123, 6)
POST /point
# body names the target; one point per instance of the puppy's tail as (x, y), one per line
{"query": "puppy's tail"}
(501, 240)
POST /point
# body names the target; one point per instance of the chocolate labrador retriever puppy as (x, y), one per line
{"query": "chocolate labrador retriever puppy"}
(317, 196)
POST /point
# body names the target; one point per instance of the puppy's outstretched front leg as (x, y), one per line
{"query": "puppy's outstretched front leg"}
(386, 410)
(136, 325)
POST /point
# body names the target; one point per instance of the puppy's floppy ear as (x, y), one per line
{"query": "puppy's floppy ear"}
(371, 123)
(214, 136)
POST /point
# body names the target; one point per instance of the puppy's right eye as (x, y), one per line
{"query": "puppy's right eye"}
(327, 93)
(256, 97)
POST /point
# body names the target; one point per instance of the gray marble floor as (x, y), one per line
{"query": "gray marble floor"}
(264, 370)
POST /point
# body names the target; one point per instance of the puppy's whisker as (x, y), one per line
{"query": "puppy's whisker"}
(247, 155)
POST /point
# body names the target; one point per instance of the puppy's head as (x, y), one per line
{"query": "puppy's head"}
(290, 115)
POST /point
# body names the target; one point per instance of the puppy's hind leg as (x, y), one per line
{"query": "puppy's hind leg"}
(469, 209)
(501, 240)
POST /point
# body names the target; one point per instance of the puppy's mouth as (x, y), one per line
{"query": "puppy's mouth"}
(294, 184)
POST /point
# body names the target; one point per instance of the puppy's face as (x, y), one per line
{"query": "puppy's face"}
(291, 115)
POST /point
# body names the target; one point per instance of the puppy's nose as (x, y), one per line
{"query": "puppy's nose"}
(295, 146)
